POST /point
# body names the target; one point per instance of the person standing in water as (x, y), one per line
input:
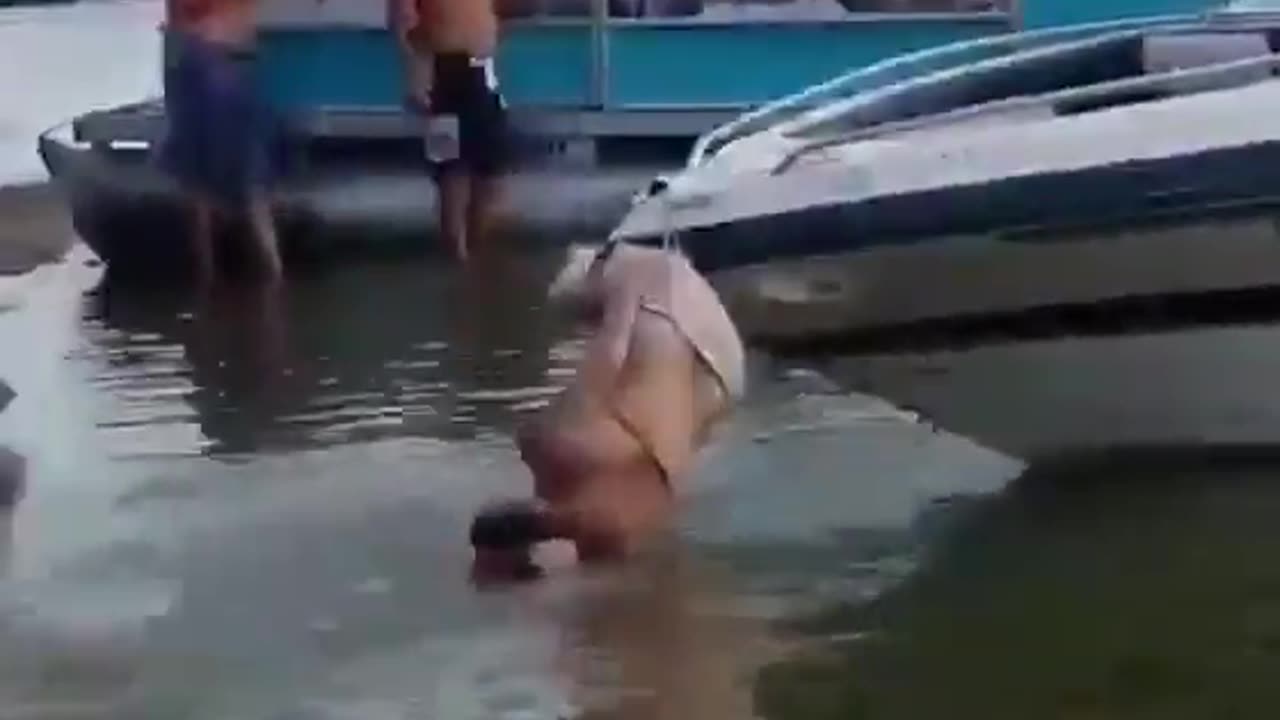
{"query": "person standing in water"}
(220, 139)
(448, 49)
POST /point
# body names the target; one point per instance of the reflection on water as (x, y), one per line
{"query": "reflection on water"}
(428, 353)
(254, 507)
(1113, 591)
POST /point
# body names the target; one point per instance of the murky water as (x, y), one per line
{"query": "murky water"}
(1124, 591)
(256, 508)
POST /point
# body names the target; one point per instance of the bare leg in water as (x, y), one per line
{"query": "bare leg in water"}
(468, 207)
(482, 208)
(266, 242)
(262, 228)
(202, 211)
(455, 201)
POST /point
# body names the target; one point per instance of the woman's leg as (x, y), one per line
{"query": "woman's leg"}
(185, 153)
(265, 240)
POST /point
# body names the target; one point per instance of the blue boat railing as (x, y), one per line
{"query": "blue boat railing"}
(836, 93)
(596, 74)
(1185, 81)
(596, 62)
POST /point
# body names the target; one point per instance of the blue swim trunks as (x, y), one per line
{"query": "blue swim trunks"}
(222, 141)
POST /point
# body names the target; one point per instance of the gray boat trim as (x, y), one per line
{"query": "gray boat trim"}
(144, 122)
(1190, 81)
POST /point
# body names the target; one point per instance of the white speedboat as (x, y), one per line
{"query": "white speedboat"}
(1203, 393)
(1066, 167)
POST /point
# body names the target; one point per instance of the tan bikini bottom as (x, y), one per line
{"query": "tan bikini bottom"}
(584, 435)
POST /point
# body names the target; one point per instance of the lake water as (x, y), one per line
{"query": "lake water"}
(258, 508)
(255, 508)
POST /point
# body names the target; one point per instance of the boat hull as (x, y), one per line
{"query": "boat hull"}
(962, 279)
(1039, 193)
(1036, 208)
(1208, 389)
(135, 219)
(1195, 223)
(1177, 357)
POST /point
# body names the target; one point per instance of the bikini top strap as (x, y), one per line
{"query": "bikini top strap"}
(605, 252)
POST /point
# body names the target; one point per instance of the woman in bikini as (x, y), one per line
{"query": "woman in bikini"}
(663, 365)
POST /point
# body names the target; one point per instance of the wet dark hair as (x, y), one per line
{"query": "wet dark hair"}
(13, 482)
(509, 527)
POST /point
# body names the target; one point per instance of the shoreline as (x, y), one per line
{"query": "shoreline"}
(35, 227)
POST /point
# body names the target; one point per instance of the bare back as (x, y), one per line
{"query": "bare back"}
(667, 283)
(226, 22)
(666, 394)
(656, 410)
(457, 26)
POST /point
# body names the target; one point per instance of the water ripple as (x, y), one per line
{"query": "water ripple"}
(303, 476)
